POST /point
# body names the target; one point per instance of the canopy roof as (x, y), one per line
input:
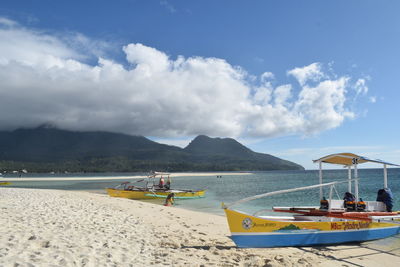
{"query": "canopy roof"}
(349, 159)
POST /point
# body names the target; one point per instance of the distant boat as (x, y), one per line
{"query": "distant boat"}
(333, 222)
(152, 190)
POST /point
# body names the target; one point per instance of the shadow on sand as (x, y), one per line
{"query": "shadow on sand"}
(369, 249)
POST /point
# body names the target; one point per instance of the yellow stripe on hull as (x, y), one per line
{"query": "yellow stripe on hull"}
(5, 183)
(132, 194)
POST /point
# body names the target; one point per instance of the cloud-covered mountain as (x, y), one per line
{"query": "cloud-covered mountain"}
(50, 149)
(46, 78)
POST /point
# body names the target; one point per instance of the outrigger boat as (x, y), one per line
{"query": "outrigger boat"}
(152, 190)
(333, 222)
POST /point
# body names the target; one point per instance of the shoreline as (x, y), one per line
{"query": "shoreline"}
(76, 228)
(99, 178)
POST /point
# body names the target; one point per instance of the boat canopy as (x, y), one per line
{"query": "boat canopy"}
(349, 159)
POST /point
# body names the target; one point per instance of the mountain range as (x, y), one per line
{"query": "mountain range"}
(46, 149)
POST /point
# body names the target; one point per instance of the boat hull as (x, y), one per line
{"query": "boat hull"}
(249, 231)
(136, 194)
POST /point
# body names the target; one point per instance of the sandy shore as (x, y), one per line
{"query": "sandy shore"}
(65, 228)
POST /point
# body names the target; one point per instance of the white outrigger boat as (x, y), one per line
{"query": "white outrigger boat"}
(333, 222)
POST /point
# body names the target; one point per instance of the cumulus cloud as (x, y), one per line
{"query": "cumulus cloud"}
(267, 76)
(44, 80)
(304, 74)
(282, 94)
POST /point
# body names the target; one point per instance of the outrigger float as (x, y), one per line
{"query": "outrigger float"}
(152, 189)
(333, 222)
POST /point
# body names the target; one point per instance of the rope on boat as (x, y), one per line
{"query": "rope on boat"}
(386, 219)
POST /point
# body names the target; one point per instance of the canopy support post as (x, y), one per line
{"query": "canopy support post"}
(320, 180)
(330, 195)
(349, 177)
(356, 181)
(385, 182)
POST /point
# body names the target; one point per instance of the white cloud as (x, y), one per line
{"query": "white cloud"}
(372, 99)
(311, 72)
(45, 80)
(360, 87)
(323, 106)
(182, 143)
(267, 76)
(282, 94)
(7, 22)
(262, 94)
(28, 47)
(148, 59)
(168, 6)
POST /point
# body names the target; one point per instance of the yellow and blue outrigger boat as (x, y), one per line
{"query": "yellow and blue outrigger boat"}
(333, 222)
(152, 189)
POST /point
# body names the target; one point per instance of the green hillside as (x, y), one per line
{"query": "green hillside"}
(48, 149)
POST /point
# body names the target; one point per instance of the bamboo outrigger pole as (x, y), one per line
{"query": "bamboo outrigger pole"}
(281, 192)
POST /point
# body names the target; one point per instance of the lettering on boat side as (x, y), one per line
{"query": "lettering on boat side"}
(350, 225)
(264, 224)
(247, 223)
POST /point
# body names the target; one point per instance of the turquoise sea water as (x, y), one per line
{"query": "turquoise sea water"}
(230, 188)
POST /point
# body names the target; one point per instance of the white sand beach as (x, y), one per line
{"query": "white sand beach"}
(68, 228)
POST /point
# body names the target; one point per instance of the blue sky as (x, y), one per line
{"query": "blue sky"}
(296, 79)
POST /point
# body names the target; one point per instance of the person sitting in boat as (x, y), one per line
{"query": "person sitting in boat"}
(349, 201)
(169, 201)
(349, 197)
(168, 184)
(161, 183)
(385, 195)
(324, 204)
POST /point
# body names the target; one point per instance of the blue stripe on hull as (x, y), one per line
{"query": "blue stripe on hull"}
(308, 239)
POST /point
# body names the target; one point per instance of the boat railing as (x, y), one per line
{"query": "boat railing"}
(331, 185)
(259, 212)
(395, 219)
